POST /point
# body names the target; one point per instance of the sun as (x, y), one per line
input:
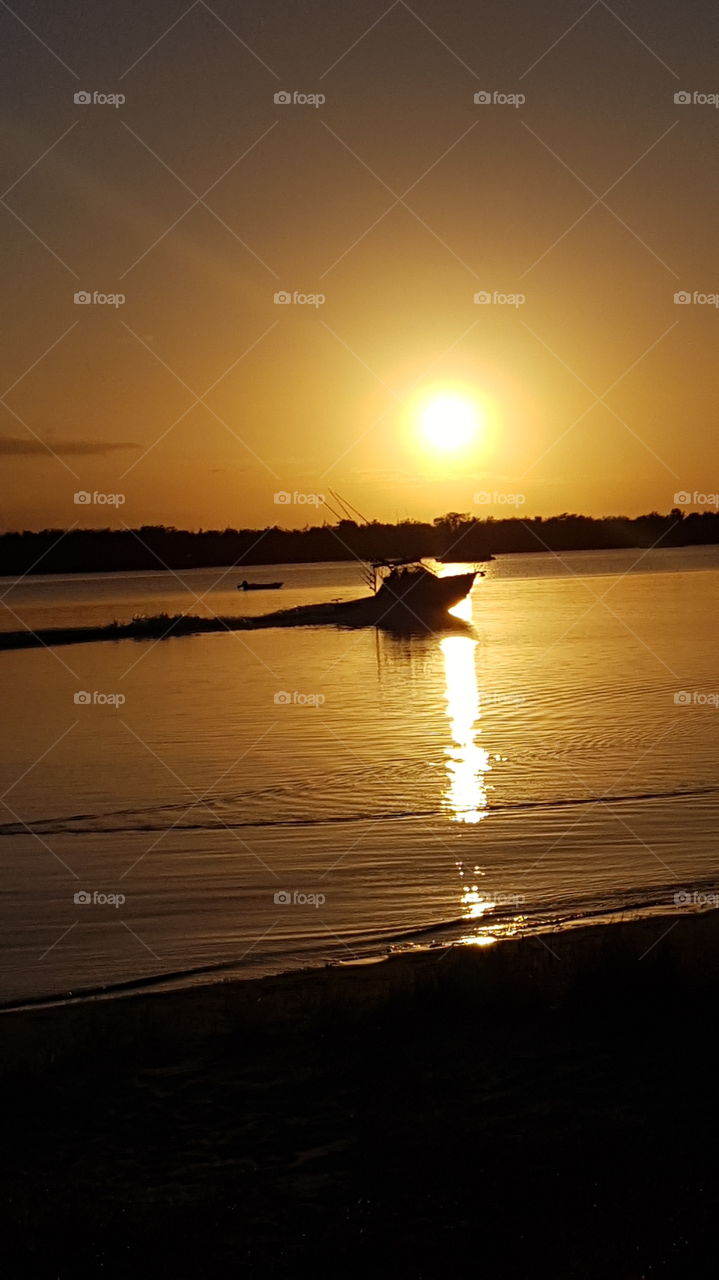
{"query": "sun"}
(449, 423)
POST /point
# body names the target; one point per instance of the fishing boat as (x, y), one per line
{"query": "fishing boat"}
(411, 589)
(406, 592)
(408, 598)
(258, 586)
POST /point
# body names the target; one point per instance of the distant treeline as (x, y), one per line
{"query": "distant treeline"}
(455, 536)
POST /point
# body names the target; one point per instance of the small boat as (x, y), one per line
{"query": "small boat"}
(258, 586)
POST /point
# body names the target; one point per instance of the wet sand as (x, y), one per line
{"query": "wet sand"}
(539, 1106)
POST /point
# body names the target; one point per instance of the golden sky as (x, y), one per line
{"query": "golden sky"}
(395, 201)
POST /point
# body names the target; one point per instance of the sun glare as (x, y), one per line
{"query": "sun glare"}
(449, 423)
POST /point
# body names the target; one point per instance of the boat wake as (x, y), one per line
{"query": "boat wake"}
(216, 815)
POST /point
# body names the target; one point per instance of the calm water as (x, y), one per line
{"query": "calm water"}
(534, 769)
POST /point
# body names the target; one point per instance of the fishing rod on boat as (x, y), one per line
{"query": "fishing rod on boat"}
(348, 508)
(348, 512)
(337, 515)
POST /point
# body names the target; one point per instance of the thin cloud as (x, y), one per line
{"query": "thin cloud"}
(18, 447)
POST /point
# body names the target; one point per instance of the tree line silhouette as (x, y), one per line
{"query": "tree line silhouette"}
(456, 536)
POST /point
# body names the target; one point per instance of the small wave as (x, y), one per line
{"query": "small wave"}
(159, 819)
(561, 914)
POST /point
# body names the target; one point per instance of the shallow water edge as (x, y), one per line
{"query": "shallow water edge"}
(639, 959)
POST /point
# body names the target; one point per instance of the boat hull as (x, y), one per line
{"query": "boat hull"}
(423, 596)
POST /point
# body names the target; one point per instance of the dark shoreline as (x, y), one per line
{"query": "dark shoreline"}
(460, 534)
(551, 970)
(541, 1106)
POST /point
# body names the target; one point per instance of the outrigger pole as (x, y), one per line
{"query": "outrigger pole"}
(347, 507)
(348, 512)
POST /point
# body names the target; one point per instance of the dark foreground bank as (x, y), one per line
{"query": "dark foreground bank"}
(538, 1107)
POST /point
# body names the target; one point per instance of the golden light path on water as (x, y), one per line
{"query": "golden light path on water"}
(467, 763)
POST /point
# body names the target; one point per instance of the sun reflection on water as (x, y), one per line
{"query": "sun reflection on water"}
(466, 762)
(473, 902)
(467, 765)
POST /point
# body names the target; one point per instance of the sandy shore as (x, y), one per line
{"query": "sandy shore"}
(538, 1105)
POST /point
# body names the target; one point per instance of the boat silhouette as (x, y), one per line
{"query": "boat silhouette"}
(410, 589)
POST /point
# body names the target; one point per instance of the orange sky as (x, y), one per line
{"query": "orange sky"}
(399, 198)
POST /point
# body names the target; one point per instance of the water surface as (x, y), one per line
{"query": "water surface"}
(269, 799)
